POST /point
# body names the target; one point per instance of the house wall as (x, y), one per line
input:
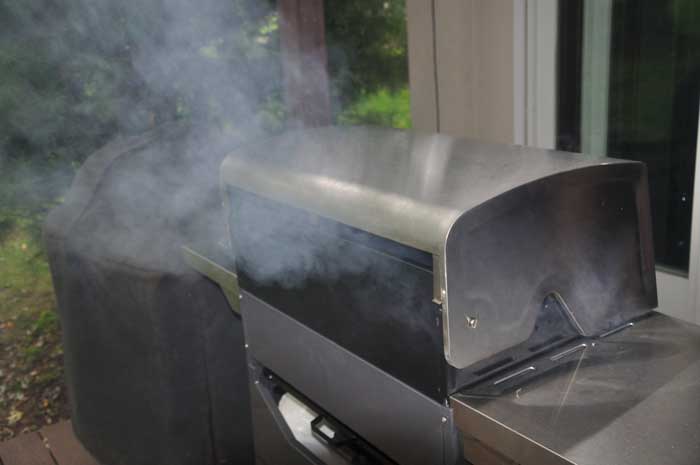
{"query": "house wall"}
(461, 67)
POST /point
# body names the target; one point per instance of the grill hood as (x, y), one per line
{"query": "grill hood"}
(506, 226)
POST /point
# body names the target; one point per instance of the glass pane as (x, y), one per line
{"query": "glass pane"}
(653, 78)
(367, 62)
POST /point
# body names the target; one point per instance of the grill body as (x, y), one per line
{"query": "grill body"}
(428, 255)
(393, 282)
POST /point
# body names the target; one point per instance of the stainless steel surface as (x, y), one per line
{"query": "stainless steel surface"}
(632, 398)
(406, 186)
(514, 375)
(226, 279)
(398, 420)
(490, 214)
(616, 330)
(569, 313)
(569, 351)
(299, 417)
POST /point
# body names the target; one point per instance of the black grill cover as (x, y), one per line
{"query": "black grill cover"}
(154, 357)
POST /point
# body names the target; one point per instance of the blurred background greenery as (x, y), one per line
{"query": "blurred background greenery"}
(72, 76)
(77, 73)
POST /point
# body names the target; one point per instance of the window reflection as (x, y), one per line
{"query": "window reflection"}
(653, 78)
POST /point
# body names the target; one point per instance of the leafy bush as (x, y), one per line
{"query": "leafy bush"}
(76, 73)
(382, 108)
(367, 48)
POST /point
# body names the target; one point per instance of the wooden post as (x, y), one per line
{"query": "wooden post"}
(304, 61)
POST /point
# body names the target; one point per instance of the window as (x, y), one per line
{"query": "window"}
(367, 62)
(628, 87)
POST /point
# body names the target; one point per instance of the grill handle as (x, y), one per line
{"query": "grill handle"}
(214, 270)
(338, 437)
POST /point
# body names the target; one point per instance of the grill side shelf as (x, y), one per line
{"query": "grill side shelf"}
(226, 279)
(625, 397)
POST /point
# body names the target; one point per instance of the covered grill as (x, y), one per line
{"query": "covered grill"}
(412, 289)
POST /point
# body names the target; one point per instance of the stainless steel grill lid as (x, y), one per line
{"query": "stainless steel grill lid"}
(506, 226)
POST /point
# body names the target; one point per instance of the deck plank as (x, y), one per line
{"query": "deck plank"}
(65, 447)
(26, 449)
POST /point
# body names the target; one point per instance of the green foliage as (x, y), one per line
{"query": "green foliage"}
(367, 48)
(33, 353)
(31, 381)
(684, 14)
(29, 188)
(25, 288)
(382, 108)
(47, 321)
(76, 73)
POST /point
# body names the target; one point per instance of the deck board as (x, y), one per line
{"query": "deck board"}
(65, 447)
(52, 445)
(26, 449)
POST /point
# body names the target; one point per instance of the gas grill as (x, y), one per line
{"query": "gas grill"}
(419, 299)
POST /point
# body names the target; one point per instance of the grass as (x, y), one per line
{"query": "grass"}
(25, 284)
(31, 367)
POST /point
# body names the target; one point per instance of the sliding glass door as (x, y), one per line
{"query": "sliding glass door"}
(628, 86)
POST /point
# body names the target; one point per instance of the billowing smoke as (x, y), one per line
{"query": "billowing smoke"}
(77, 74)
(170, 86)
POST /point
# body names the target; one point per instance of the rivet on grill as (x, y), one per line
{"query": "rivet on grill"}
(472, 321)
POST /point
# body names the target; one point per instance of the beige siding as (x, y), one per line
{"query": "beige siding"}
(473, 63)
(421, 62)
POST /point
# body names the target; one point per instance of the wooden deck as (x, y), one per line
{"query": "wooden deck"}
(52, 445)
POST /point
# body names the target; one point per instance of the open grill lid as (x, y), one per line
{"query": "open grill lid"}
(507, 226)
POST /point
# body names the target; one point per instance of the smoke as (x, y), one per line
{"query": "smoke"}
(173, 86)
(156, 93)
(286, 247)
(347, 174)
(86, 71)
(76, 74)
